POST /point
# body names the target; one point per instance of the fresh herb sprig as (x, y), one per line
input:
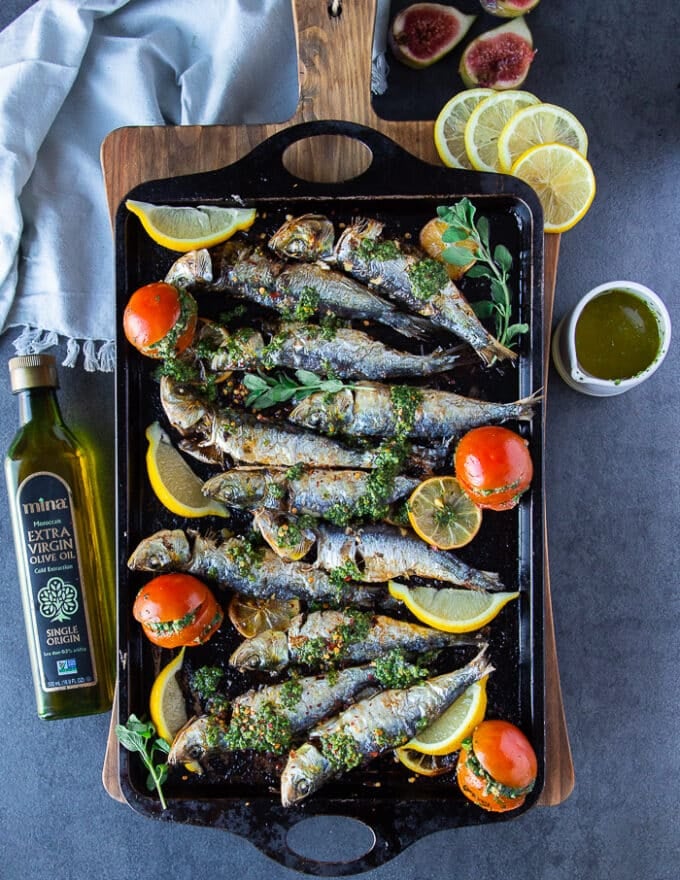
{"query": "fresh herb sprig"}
(266, 390)
(494, 265)
(138, 736)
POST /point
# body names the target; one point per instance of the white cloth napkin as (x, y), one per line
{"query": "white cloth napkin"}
(71, 71)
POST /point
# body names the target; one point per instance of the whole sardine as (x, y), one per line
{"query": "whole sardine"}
(325, 639)
(368, 409)
(216, 431)
(306, 289)
(381, 552)
(373, 726)
(402, 273)
(251, 439)
(315, 491)
(233, 563)
(293, 706)
(349, 354)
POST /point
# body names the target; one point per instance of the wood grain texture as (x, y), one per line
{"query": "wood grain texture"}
(334, 83)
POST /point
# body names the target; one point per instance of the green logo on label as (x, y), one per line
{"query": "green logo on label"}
(58, 600)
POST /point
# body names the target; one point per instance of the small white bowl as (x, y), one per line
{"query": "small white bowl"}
(564, 343)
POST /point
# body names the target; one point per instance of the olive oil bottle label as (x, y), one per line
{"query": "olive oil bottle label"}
(51, 562)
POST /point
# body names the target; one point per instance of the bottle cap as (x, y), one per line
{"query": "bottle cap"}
(33, 371)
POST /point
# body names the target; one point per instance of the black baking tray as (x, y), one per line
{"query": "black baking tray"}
(404, 192)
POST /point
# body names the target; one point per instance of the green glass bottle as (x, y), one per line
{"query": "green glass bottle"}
(66, 587)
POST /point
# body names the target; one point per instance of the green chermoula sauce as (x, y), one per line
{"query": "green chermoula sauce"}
(617, 336)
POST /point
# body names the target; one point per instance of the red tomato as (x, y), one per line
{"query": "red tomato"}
(498, 767)
(494, 467)
(177, 609)
(160, 320)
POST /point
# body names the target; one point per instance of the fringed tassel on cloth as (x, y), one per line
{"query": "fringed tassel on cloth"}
(32, 340)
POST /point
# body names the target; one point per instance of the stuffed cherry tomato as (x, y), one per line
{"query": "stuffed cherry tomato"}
(494, 466)
(497, 766)
(160, 319)
(177, 609)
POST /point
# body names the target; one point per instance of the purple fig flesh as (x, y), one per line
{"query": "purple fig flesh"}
(499, 59)
(424, 32)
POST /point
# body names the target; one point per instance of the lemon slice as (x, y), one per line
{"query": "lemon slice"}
(447, 733)
(177, 487)
(563, 180)
(287, 538)
(253, 616)
(449, 609)
(166, 703)
(449, 127)
(431, 242)
(487, 121)
(426, 765)
(539, 124)
(188, 229)
(442, 514)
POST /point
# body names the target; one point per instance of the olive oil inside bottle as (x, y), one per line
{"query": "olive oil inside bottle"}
(617, 336)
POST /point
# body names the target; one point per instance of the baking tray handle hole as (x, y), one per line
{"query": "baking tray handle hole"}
(331, 839)
(331, 158)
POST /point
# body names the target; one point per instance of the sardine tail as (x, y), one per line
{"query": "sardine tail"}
(494, 351)
(408, 325)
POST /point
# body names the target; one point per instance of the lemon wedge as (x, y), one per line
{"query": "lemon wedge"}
(447, 733)
(449, 609)
(250, 617)
(487, 121)
(426, 765)
(449, 126)
(177, 487)
(563, 181)
(442, 514)
(185, 228)
(539, 124)
(166, 703)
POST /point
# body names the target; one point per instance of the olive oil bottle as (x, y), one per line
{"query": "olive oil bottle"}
(67, 591)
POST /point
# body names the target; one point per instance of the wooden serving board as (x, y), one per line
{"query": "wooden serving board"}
(334, 72)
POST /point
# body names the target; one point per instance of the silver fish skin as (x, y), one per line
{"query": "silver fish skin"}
(373, 726)
(316, 698)
(391, 275)
(274, 651)
(350, 354)
(252, 440)
(367, 409)
(228, 563)
(315, 491)
(383, 552)
(257, 277)
(308, 237)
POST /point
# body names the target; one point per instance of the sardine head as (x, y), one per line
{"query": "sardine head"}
(309, 237)
(182, 406)
(161, 551)
(194, 267)
(268, 651)
(303, 774)
(190, 742)
(323, 412)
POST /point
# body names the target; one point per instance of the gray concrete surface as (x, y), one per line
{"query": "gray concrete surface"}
(612, 484)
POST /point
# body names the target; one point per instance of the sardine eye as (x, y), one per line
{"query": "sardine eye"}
(302, 786)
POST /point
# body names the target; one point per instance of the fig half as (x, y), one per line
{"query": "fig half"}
(425, 32)
(508, 8)
(500, 58)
